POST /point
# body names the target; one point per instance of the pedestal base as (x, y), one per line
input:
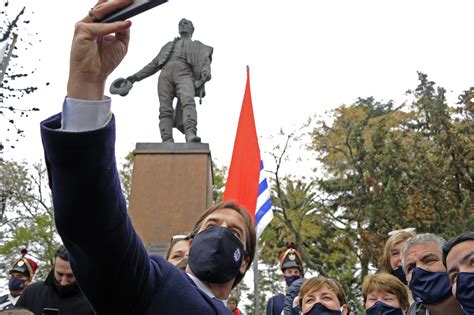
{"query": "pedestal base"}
(171, 187)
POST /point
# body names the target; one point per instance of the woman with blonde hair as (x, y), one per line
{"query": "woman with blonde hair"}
(392, 254)
(321, 295)
(384, 294)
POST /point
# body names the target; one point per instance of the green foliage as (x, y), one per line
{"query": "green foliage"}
(302, 217)
(388, 168)
(27, 216)
(269, 284)
(219, 177)
(125, 172)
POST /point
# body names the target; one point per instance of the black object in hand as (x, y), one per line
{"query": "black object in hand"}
(137, 7)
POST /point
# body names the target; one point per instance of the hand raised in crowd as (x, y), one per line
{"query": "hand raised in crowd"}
(97, 49)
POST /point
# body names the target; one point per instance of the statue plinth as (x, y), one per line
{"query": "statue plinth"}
(171, 187)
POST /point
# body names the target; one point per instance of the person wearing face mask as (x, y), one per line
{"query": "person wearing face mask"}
(177, 253)
(422, 260)
(392, 256)
(291, 265)
(91, 213)
(458, 257)
(59, 291)
(290, 306)
(21, 275)
(384, 294)
(322, 296)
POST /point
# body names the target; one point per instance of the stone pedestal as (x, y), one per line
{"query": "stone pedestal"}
(171, 187)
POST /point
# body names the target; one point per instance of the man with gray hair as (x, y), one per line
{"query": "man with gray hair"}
(422, 260)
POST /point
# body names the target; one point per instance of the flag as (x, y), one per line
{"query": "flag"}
(264, 212)
(246, 183)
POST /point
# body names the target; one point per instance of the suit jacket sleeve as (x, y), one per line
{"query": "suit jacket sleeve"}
(107, 257)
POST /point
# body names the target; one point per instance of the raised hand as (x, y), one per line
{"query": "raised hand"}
(97, 49)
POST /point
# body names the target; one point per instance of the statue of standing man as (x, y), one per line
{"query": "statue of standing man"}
(185, 66)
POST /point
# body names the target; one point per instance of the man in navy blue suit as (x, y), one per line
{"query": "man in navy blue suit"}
(107, 256)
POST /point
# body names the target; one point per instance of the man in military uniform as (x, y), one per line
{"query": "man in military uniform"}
(185, 66)
(21, 276)
(59, 291)
(291, 264)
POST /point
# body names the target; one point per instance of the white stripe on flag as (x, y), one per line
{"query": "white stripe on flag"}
(264, 212)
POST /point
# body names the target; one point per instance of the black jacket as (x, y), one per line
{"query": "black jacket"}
(40, 295)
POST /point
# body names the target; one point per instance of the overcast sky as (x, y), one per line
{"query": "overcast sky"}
(305, 57)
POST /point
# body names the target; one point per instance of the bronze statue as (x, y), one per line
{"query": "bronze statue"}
(185, 66)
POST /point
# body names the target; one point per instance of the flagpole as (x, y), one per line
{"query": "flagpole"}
(255, 280)
(4, 61)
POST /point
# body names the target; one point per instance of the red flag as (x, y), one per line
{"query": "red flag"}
(243, 178)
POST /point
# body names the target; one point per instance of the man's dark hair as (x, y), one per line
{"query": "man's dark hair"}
(62, 253)
(466, 236)
(251, 242)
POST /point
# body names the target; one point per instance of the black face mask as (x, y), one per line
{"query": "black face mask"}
(465, 291)
(66, 290)
(320, 309)
(290, 279)
(15, 284)
(429, 287)
(400, 274)
(380, 308)
(216, 255)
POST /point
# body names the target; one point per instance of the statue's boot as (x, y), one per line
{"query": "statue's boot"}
(166, 129)
(190, 123)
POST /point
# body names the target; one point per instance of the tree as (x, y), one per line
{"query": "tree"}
(219, 178)
(269, 283)
(387, 168)
(301, 217)
(126, 172)
(14, 38)
(26, 219)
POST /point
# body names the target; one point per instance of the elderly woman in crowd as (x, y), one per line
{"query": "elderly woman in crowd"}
(384, 294)
(321, 295)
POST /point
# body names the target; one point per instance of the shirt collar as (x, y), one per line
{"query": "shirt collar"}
(204, 288)
(12, 299)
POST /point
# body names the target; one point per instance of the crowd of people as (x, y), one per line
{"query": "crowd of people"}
(104, 268)
(421, 274)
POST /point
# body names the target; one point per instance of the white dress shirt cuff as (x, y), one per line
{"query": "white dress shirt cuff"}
(81, 115)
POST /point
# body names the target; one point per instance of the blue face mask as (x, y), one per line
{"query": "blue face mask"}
(320, 309)
(400, 274)
(15, 284)
(429, 287)
(465, 291)
(216, 255)
(289, 280)
(380, 308)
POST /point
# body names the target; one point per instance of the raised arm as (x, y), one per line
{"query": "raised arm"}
(107, 257)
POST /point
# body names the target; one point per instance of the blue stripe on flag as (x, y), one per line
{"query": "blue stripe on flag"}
(262, 210)
(262, 186)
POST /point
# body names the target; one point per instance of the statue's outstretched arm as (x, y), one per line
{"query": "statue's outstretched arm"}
(150, 69)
